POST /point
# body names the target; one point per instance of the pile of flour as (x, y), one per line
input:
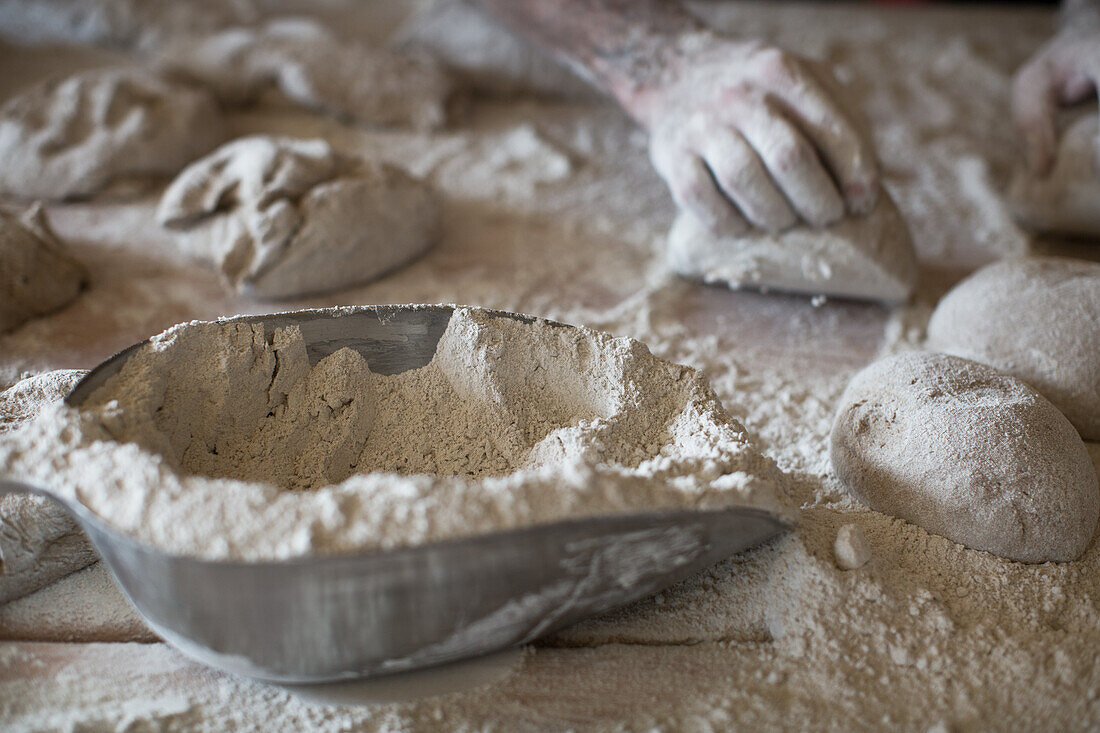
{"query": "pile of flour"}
(219, 440)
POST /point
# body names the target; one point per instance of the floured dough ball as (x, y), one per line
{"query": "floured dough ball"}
(484, 54)
(24, 399)
(116, 23)
(1037, 319)
(283, 217)
(37, 274)
(868, 257)
(72, 137)
(39, 540)
(309, 66)
(968, 453)
(1068, 199)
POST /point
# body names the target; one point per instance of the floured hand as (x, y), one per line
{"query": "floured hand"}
(1064, 71)
(743, 133)
(747, 135)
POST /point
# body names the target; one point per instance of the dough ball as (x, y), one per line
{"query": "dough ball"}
(74, 136)
(39, 541)
(869, 257)
(37, 274)
(968, 453)
(1066, 201)
(1037, 319)
(124, 24)
(24, 400)
(851, 548)
(310, 67)
(485, 55)
(283, 217)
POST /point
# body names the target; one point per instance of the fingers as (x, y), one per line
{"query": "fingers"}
(795, 166)
(742, 177)
(848, 154)
(694, 189)
(1034, 105)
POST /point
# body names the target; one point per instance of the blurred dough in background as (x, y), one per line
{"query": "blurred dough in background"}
(309, 66)
(75, 136)
(1067, 201)
(283, 217)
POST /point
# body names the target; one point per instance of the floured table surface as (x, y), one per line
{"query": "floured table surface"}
(551, 208)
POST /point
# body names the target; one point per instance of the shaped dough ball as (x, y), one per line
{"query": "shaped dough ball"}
(312, 68)
(37, 274)
(1068, 199)
(968, 453)
(1037, 319)
(283, 217)
(74, 136)
(867, 257)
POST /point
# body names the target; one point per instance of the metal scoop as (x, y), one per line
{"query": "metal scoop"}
(351, 616)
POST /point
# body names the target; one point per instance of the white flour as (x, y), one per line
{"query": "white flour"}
(928, 635)
(213, 442)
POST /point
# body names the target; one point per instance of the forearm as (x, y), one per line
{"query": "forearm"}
(619, 45)
(1080, 16)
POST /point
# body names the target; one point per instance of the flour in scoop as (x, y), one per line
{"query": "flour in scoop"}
(220, 440)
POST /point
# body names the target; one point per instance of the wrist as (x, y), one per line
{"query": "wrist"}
(641, 83)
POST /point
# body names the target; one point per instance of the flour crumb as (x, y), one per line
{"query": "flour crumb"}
(851, 548)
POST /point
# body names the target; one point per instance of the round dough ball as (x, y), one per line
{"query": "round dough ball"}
(968, 453)
(1037, 319)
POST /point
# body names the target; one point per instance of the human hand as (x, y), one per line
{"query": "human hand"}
(747, 135)
(1064, 71)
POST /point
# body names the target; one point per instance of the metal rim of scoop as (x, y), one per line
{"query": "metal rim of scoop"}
(344, 616)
